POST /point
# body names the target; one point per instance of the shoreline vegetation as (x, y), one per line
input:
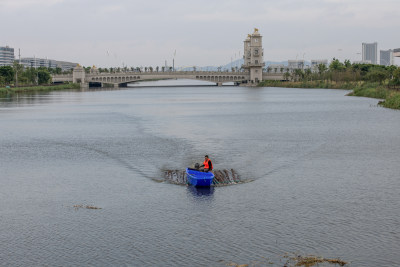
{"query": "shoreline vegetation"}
(39, 88)
(366, 80)
(20, 79)
(390, 97)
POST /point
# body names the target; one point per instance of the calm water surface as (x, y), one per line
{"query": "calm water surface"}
(325, 168)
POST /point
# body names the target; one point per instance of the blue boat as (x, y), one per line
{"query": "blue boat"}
(198, 178)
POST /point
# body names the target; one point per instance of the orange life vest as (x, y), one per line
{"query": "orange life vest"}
(208, 164)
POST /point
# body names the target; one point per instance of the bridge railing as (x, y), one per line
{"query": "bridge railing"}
(61, 75)
(165, 73)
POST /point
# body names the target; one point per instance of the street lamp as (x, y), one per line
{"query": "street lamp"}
(37, 74)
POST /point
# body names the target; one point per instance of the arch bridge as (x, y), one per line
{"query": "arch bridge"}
(252, 74)
(123, 78)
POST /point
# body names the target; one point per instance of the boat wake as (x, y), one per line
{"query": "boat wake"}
(221, 177)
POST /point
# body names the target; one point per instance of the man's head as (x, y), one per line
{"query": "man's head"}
(206, 156)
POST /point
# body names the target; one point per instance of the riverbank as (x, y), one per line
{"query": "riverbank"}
(40, 88)
(391, 98)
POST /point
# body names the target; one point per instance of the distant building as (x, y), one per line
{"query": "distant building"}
(6, 56)
(296, 64)
(65, 66)
(396, 52)
(32, 62)
(386, 57)
(316, 62)
(277, 68)
(370, 52)
(362, 62)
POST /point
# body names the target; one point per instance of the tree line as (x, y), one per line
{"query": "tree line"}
(338, 72)
(18, 75)
(129, 69)
(344, 72)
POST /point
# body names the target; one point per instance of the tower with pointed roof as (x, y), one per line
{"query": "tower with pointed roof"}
(254, 56)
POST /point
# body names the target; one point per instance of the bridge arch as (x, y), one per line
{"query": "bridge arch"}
(128, 77)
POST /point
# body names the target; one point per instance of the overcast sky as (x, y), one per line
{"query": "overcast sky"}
(204, 32)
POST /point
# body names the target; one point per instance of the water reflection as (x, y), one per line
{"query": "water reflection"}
(201, 191)
(325, 168)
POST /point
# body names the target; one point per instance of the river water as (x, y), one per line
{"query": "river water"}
(324, 171)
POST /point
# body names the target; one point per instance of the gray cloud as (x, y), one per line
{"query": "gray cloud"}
(140, 33)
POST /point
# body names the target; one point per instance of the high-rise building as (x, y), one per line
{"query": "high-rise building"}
(254, 56)
(6, 56)
(386, 57)
(396, 52)
(370, 52)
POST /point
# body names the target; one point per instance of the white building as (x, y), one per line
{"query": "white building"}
(296, 64)
(396, 52)
(33, 62)
(316, 62)
(386, 57)
(65, 65)
(6, 56)
(277, 68)
(370, 52)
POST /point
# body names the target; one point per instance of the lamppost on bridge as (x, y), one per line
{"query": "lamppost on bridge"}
(173, 62)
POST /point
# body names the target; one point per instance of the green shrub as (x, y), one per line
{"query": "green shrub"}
(393, 101)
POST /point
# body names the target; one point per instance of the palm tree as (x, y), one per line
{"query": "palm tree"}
(298, 73)
(286, 75)
(307, 74)
(321, 70)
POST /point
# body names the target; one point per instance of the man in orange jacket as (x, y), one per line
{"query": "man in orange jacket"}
(207, 164)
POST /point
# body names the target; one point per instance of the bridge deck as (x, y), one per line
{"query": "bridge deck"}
(128, 77)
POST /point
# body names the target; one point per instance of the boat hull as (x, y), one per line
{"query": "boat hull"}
(197, 178)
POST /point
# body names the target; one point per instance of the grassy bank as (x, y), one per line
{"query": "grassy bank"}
(391, 98)
(44, 88)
